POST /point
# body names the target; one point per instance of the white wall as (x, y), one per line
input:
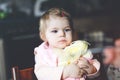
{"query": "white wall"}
(2, 62)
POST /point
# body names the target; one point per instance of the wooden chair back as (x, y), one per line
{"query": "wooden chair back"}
(24, 74)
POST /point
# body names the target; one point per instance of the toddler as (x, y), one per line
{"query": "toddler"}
(56, 30)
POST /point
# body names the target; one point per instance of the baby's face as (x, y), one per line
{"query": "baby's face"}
(58, 33)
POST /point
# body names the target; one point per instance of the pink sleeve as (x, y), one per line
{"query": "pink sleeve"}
(96, 64)
(44, 71)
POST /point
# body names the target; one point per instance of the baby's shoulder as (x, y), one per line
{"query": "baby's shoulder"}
(39, 48)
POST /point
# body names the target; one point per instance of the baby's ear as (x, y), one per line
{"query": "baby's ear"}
(42, 36)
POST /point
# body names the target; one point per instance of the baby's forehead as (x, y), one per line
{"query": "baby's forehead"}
(57, 22)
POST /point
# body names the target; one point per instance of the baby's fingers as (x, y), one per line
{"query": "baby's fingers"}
(84, 67)
(76, 62)
(82, 72)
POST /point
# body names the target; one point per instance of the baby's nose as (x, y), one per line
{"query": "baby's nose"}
(61, 33)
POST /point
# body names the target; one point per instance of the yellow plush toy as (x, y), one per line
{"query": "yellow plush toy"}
(73, 52)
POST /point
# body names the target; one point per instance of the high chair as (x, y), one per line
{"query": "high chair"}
(23, 74)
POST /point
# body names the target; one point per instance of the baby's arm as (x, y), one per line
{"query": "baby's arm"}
(86, 65)
(91, 67)
(93, 63)
(45, 71)
(72, 71)
(96, 65)
(48, 73)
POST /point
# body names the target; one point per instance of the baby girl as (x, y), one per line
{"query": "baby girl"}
(56, 28)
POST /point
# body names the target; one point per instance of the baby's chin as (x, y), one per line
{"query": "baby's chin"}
(61, 46)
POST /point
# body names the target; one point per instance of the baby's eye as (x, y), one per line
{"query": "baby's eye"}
(54, 31)
(67, 30)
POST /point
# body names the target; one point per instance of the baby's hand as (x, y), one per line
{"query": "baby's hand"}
(86, 65)
(73, 70)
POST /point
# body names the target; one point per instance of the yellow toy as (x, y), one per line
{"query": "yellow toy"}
(73, 52)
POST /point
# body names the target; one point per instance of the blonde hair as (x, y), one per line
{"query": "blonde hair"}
(57, 12)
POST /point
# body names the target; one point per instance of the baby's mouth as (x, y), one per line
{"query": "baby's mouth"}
(63, 41)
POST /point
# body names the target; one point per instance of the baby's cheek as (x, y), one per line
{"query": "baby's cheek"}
(69, 37)
(69, 41)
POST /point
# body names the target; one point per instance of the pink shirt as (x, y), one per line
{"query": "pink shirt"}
(46, 64)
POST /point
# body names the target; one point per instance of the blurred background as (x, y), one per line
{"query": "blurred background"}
(97, 21)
